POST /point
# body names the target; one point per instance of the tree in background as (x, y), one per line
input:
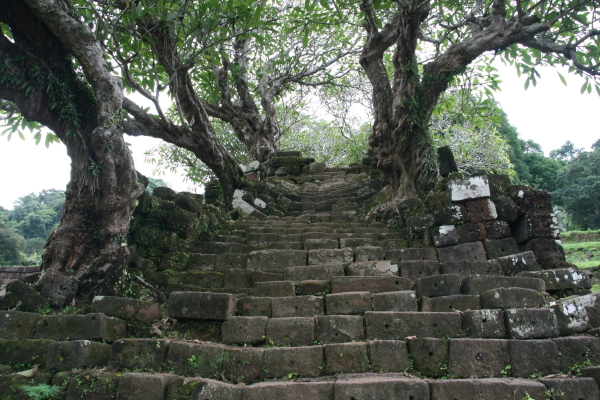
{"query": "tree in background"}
(11, 244)
(567, 152)
(578, 188)
(435, 42)
(477, 146)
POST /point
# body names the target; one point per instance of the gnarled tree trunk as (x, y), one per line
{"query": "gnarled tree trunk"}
(404, 105)
(85, 255)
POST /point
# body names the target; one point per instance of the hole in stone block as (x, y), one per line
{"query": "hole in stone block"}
(484, 320)
(430, 353)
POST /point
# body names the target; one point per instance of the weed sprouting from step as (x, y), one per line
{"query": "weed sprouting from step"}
(43, 391)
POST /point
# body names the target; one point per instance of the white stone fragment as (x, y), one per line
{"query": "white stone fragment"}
(471, 188)
(240, 204)
(260, 203)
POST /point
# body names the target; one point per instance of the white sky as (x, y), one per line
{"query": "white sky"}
(550, 114)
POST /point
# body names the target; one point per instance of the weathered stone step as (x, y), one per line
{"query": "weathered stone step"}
(384, 386)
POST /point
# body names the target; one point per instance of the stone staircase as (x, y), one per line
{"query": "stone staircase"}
(469, 297)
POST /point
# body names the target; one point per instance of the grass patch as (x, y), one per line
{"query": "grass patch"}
(579, 254)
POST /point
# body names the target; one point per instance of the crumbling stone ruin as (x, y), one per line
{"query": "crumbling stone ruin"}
(463, 295)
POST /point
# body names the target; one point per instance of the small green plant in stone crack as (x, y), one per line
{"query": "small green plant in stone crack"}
(576, 368)
(528, 397)
(506, 371)
(43, 391)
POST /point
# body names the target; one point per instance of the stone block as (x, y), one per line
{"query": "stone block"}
(412, 254)
(295, 331)
(17, 324)
(201, 305)
(470, 252)
(488, 389)
(348, 303)
(283, 362)
(577, 314)
(65, 356)
(346, 358)
(529, 200)
(274, 289)
(297, 306)
(310, 272)
(393, 245)
(462, 268)
(229, 261)
(127, 309)
(26, 352)
(459, 302)
(92, 385)
(324, 256)
(453, 214)
(569, 388)
(139, 354)
(577, 352)
(380, 387)
(405, 300)
(533, 226)
(545, 249)
(533, 357)
(139, 385)
(261, 276)
(400, 325)
(513, 264)
(355, 242)
(368, 253)
(478, 358)
(485, 324)
(438, 285)
(514, 297)
(313, 287)
(339, 328)
(290, 391)
(10, 384)
(420, 222)
(429, 356)
(468, 233)
(560, 279)
(388, 355)
(445, 235)
(372, 268)
(30, 299)
(276, 260)
(531, 323)
(373, 284)
(252, 306)
(478, 284)
(497, 248)
(8, 301)
(214, 390)
(506, 209)
(241, 278)
(244, 364)
(241, 330)
(471, 188)
(318, 244)
(481, 210)
(197, 359)
(417, 269)
(202, 262)
(80, 327)
(592, 372)
(497, 230)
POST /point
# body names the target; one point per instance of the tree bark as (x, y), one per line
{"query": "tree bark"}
(404, 105)
(86, 254)
(198, 135)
